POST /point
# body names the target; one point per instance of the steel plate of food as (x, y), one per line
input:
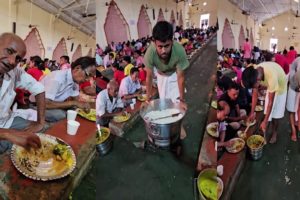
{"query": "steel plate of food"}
(122, 118)
(212, 129)
(235, 145)
(89, 116)
(54, 160)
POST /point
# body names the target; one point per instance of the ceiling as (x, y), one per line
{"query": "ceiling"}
(78, 13)
(261, 10)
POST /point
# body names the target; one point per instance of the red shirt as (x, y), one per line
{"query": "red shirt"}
(291, 56)
(142, 75)
(35, 73)
(283, 62)
(118, 76)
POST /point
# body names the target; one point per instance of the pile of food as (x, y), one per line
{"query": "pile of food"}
(53, 160)
(248, 123)
(166, 116)
(255, 141)
(212, 129)
(235, 145)
(90, 116)
(209, 185)
(142, 97)
(105, 132)
(214, 104)
(259, 108)
(121, 118)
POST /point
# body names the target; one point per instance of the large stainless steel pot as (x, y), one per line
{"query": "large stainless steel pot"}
(162, 135)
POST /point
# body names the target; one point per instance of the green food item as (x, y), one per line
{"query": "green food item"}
(208, 184)
(209, 188)
(59, 149)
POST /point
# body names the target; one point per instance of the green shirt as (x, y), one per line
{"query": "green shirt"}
(178, 59)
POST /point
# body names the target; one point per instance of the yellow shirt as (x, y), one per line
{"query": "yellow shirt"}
(46, 71)
(127, 69)
(274, 77)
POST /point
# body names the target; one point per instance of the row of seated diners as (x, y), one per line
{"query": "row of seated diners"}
(104, 75)
(229, 165)
(83, 143)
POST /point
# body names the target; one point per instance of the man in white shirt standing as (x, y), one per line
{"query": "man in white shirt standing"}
(13, 128)
(62, 89)
(108, 104)
(130, 86)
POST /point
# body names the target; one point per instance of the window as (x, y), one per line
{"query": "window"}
(204, 21)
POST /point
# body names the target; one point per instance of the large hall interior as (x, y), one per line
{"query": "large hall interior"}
(149, 99)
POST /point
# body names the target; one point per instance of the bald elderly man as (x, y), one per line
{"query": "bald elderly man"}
(13, 128)
(108, 104)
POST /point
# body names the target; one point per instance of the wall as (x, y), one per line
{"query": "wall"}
(50, 30)
(231, 12)
(130, 10)
(198, 9)
(285, 39)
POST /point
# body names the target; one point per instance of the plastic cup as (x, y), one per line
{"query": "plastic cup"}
(71, 115)
(132, 106)
(72, 127)
(134, 100)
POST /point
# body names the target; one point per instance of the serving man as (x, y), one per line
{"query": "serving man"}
(108, 104)
(62, 89)
(170, 61)
(272, 76)
(12, 127)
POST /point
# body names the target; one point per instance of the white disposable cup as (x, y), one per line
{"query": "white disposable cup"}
(134, 100)
(71, 115)
(220, 170)
(72, 127)
(132, 106)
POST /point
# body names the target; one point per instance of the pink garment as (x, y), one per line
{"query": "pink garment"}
(65, 66)
(139, 61)
(238, 72)
(128, 51)
(283, 62)
(291, 56)
(247, 50)
(99, 51)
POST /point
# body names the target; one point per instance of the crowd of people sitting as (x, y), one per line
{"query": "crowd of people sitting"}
(126, 60)
(265, 78)
(35, 92)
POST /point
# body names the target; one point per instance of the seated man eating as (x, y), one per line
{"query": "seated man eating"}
(13, 128)
(108, 104)
(130, 86)
(62, 89)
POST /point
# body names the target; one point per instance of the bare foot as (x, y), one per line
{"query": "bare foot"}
(294, 137)
(273, 138)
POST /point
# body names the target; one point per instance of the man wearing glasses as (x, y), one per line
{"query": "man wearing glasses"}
(62, 89)
(13, 128)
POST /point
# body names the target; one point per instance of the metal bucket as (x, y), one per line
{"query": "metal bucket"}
(104, 147)
(256, 152)
(162, 135)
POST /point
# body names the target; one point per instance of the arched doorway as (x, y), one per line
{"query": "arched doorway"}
(90, 52)
(227, 36)
(160, 16)
(34, 44)
(172, 19)
(180, 19)
(115, 26)
(77, 54)
(60, 50)
(143, 24)
(251, 37)
(241, 37)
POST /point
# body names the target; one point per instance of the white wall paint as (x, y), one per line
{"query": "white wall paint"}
(130, 10)
(50, 32)
(231, 12)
